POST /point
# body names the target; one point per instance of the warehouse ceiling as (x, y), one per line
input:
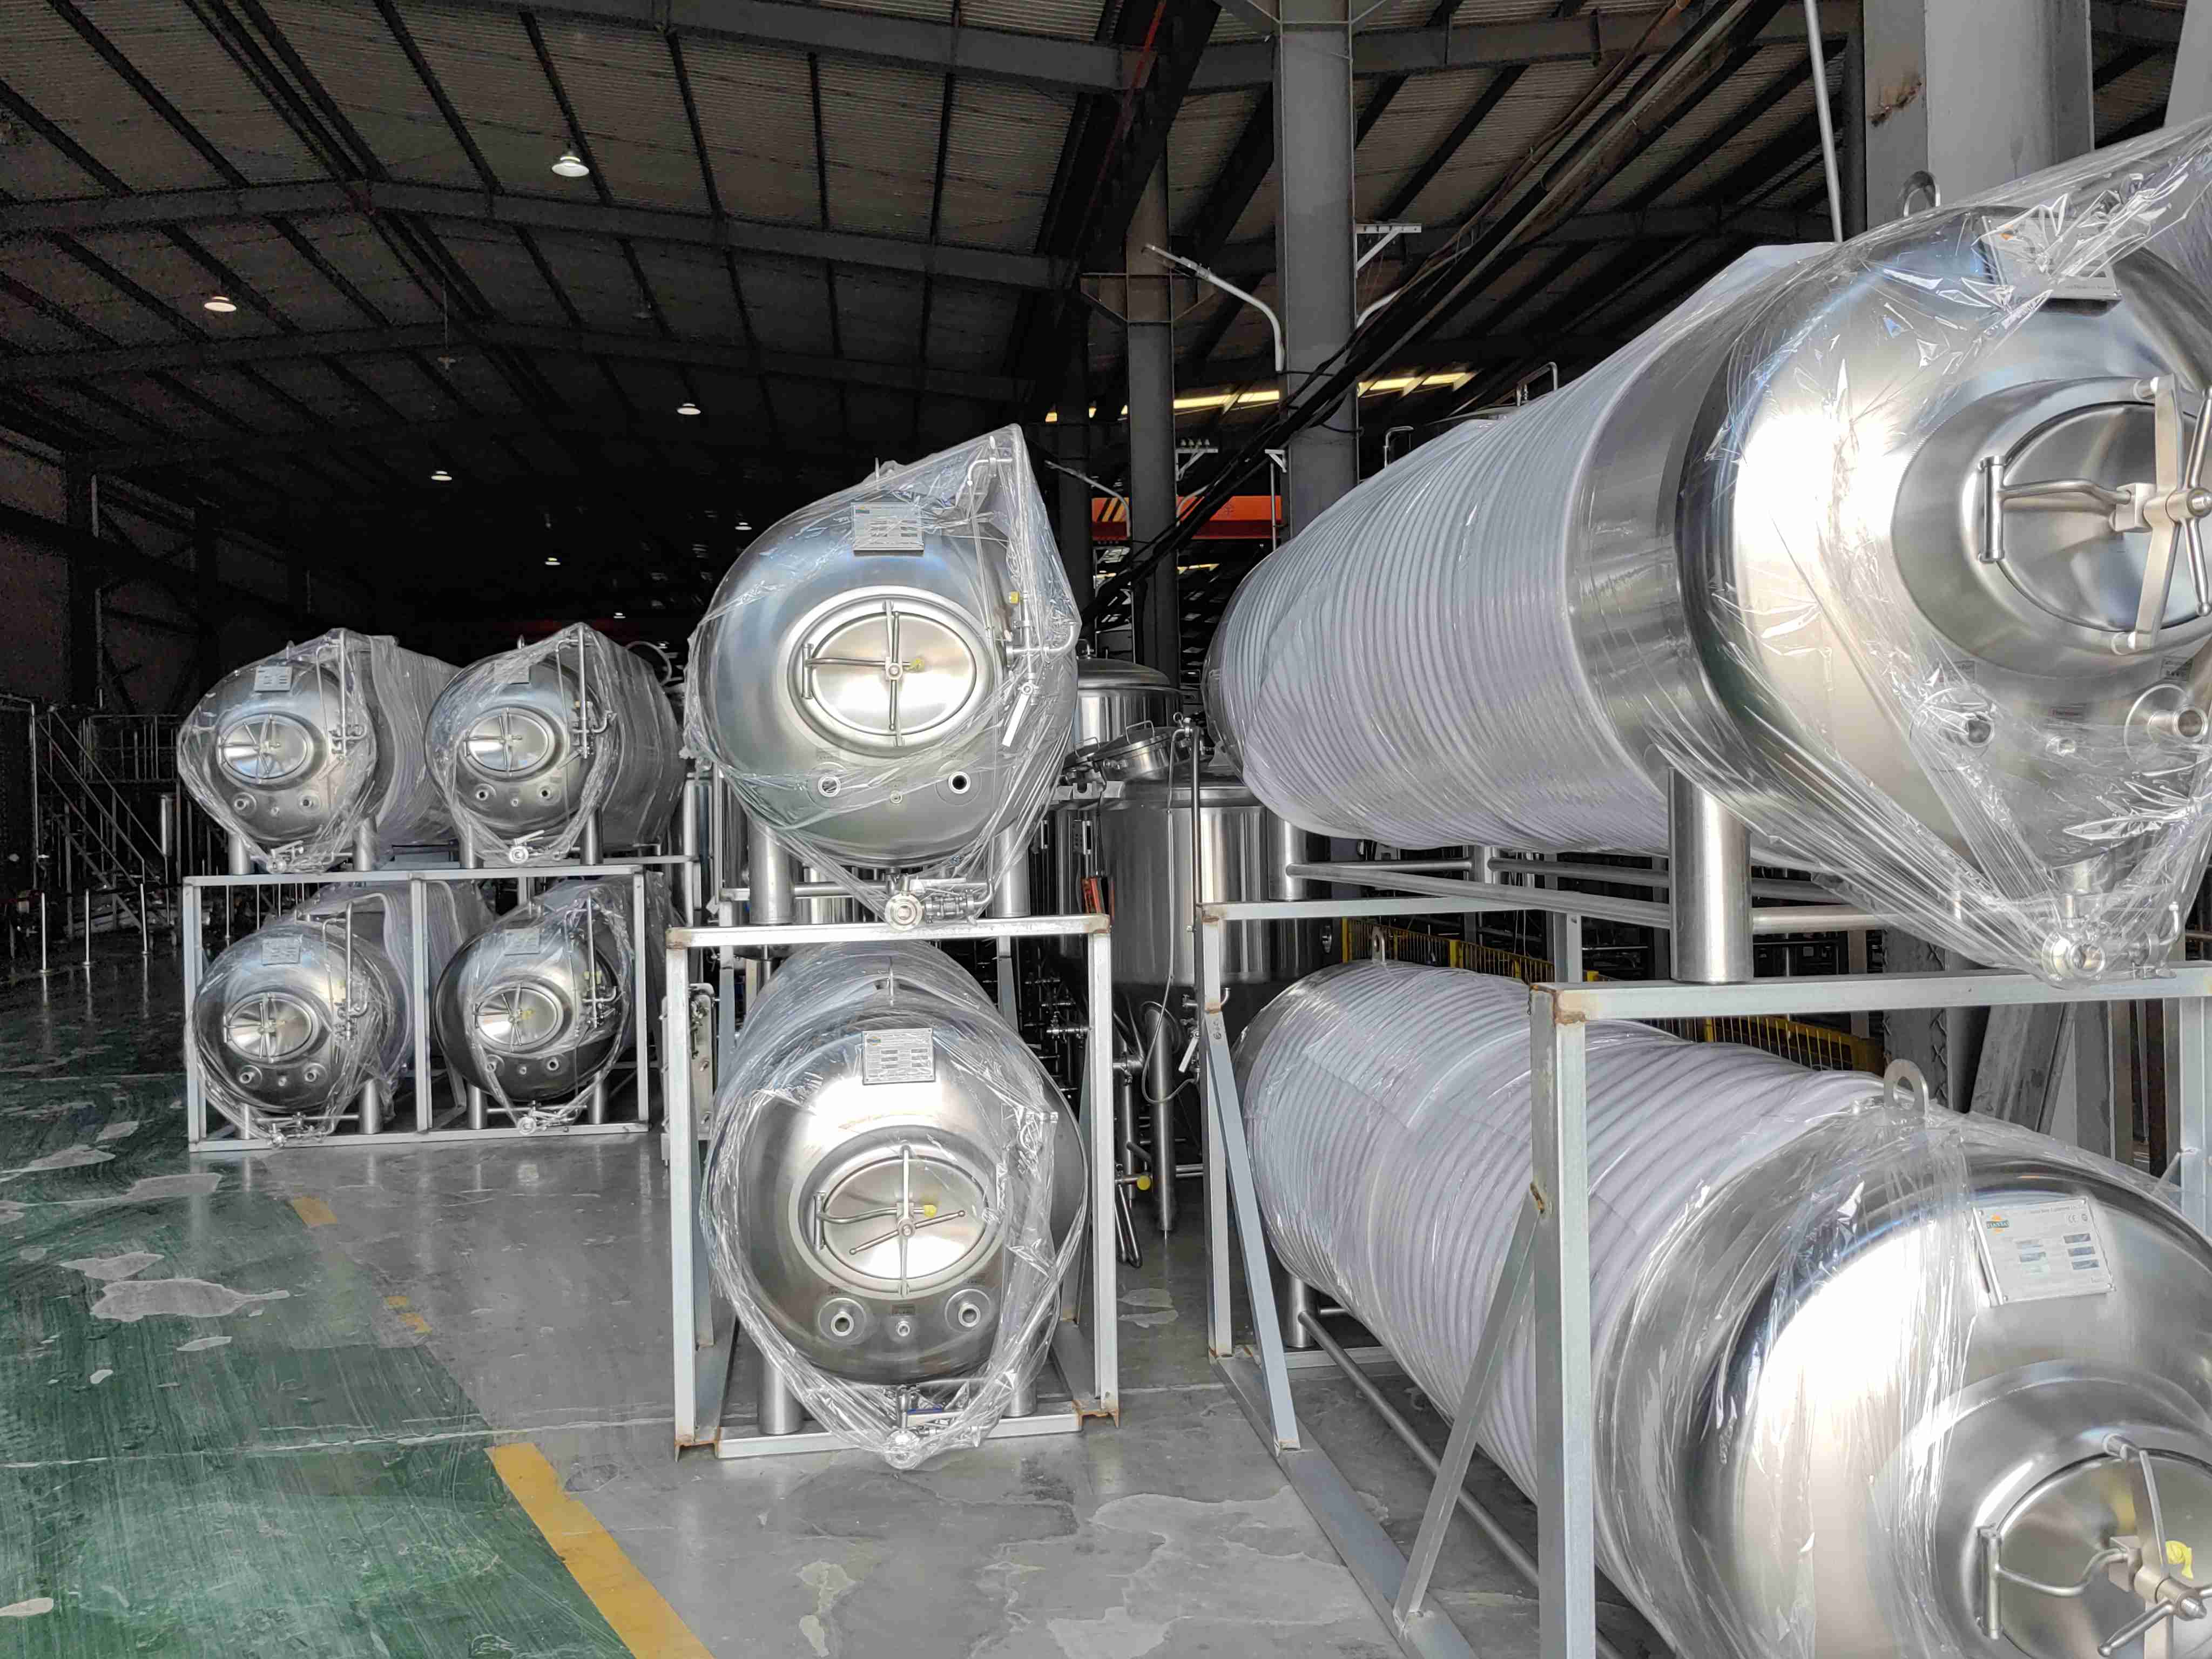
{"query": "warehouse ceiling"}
(434, 291)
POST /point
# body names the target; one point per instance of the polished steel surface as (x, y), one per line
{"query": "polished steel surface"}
(549, 740)
(1112, 695)
(541, 1000)
(874, 1220)
(280, 753)
(1142, 835)
(287, 1028)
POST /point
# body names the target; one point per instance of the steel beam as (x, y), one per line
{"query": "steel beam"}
(31, 368)
(1470, 45)
(1072, 442)
(1971, 106)
(1149, 306)
(719, 232)
(1313, 239)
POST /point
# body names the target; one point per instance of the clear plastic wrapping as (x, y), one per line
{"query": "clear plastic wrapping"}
(302, 751)
(527, 745)
(894, 1193)
(535, 1009)
(1861, 539)
(291, 1022)
(1805, 1398)
(887, 677)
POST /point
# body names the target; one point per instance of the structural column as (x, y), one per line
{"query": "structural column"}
(1973, 105)
(1150, 307)
(1072, 446)
(1314, 251)
(84, 575)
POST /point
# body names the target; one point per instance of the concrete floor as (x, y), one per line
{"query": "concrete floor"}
(526, 1288)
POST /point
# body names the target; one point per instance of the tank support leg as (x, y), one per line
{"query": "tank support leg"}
(241, 859)
(371, 1107)
(1158, 1031)
(1710, 886)
(589, 845)
(1024, 1403)
(1294, 1302)
(595, 1109)
(780, 1410)
(479, 1111)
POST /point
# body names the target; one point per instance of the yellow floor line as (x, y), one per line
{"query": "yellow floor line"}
(648, 1626)
(315, 1212)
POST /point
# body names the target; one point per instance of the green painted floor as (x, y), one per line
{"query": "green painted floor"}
(215, 1438)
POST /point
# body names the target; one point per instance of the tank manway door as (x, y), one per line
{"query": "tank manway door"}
(2112, 1557)
(2057, 525)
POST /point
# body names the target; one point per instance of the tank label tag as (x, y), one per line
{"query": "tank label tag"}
(273, 676)
(524, 941)
(515, 672)
(887, 527)
(2035, 1251)
(907, 1054)
(280, 948)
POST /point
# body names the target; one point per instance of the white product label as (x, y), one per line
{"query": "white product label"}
(906, 1055)
(273, 676)
(2044, 1249)
(524, 941)
(887, 527)
(281, 949)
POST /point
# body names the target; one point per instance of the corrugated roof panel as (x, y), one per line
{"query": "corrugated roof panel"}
(235, 392)
(879, 129)
(361, 67)
(29, 328)
(269, 264)
(35, 169)
(1714, 169)
(598, 281)
(807, 409)
(999, 163)
(883, 420)
(755, 110)
(934, 11)
(49, 66)
(1258, 218)
(2142, 89)
(732, 402)
(51, 274)
(694, 291)
(1689, 136)
(1068, 20)
(482, 59)
(68, 401)
(969, 327)
(878, 315)
(353, 247)
(790, 308)
(400, 383)
(623, 83)
(169, 46)
(1204, 130)
(1421, 116)
(311, 382)
(1540, 101)
(495, 259)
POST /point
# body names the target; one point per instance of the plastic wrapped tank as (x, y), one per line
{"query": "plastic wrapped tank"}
(887, 677)
(292, 1022)
(534, 1010)
(1869, 1380)
(894, 1191)
(529, 745)
(1891, 547)
(316, 754)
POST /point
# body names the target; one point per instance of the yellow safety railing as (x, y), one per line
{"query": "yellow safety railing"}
(1819, 1048)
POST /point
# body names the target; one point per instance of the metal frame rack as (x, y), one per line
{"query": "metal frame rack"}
(703, 1352)
(1547, 1263)
(428, 1126)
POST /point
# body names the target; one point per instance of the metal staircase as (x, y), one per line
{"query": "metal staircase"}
(97, 830)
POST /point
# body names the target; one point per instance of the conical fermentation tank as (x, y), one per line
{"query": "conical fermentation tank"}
(294, 1024)
(1869, 1380)
(316, 754)
(893, 1189)
(531, 746)
(1891, 547)
(536, 1010)
(887, 677)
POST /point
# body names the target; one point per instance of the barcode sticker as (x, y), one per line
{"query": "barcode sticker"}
(273, 676)
(906, 1055)
(2037, 1251)
(886, 527)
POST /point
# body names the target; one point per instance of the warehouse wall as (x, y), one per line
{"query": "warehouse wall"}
(154, 643)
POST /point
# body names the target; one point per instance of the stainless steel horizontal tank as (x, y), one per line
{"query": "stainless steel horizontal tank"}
(1856, 540)
(887, 677)
(536, 1008)
(292, 1022)
(316, 754)
(864, 1187)
(525, 746)
(1869, 1381)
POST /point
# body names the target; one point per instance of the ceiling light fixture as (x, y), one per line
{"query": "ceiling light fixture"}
(620, 616)
(687, 407)
(439, 475)
(571, 165)
(550, 559)
(222, 302)
(741, 525)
